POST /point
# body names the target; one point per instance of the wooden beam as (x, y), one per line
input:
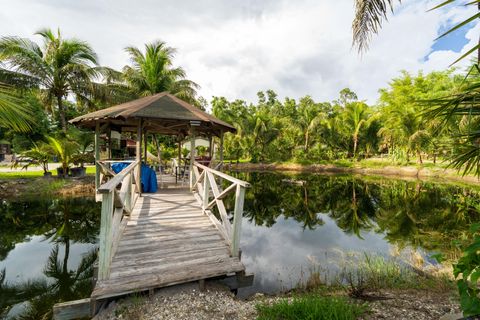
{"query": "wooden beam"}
(237, 220)
(72, 309)
(145, 145)
(221, 150)
(109, 143)
(210, 147)
(138, 155)
(159, 152)
(192, 155)
(97, 155)
(104, 252)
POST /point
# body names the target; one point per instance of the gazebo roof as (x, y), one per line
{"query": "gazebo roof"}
(162, 113)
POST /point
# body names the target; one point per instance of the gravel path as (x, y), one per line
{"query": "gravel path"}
(186, 302)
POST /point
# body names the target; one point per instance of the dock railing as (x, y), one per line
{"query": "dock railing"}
(209, 194)
(119, 195)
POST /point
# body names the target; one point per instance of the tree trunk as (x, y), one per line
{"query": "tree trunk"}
(61, 113)
(419, 154)
(67, 254)
(355, 143)
(306, 142)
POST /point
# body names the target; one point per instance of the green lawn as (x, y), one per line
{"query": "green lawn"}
(34, 173)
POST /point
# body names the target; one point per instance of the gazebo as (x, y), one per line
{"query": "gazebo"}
(172, 235)
(161, 113)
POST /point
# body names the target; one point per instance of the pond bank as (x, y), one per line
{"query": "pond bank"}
(187, 302)
(35, 187)
(439, 174)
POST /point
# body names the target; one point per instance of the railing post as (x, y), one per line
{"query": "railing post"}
(128, 195)
(104, 253)
(206, 190)
(97, 155)
(192, 156)
(237, 220)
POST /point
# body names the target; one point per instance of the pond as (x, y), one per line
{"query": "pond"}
(296, 222)
(47, 251)
(291, 221)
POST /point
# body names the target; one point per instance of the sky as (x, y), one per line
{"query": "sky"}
(235, 48)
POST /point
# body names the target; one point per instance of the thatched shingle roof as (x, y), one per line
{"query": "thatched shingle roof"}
(162, 113)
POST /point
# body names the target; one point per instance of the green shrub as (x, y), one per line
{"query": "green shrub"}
(310, 307)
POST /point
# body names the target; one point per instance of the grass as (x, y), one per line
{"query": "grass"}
(360, 275)
(26, 174)
(312, 306)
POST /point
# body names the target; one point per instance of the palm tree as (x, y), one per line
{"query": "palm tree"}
(370, 14)
(153, 72)
(309, 119)
(59, 68)
(14, 113)
(355, 118)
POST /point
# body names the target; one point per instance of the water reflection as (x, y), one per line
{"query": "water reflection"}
(291, 219)
(68, 229)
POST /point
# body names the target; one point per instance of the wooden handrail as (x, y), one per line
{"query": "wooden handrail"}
(117, 179)
(205, 186)
(223, 175)
(116, 205)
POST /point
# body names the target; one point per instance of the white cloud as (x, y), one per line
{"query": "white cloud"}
(235, 48)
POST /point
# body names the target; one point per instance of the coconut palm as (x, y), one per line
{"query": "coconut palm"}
(58, 68)
(356, 117)
(14, 112)
(153, 72)
(370, 14)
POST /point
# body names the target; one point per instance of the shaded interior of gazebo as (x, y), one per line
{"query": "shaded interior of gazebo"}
(162, 114)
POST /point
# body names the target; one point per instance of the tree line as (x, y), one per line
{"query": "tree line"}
(398, 125)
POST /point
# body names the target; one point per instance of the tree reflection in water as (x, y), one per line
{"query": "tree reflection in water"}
(62, 222)
(410, 213)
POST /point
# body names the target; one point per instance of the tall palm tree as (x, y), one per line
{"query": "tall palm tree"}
(356, 117)
(58, 68)
(153, 72)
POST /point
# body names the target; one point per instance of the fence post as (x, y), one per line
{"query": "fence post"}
(206, 190)
(237, 220)
(128, 195)
(104, 252)
(97, 155)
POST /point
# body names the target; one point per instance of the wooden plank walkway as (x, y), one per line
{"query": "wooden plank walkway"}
(167, 240)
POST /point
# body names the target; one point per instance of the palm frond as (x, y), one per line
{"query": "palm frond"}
(369, 16)
(14, 112)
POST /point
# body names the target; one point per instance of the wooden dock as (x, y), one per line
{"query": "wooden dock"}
(153, 240)
(167, 240)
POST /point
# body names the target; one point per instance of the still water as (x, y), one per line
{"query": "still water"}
(291, 222)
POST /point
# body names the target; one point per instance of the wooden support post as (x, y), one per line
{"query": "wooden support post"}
(145, 144)
(128, 196)
(109, 143)
(104, 252)
(159, 151)
(72, 309)
(237, 220)
(210, 147)
(192, 155)
(179, 163)
(201, 285)
(97, 155)
(206, 191)
(138, 155)
(221, 152)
